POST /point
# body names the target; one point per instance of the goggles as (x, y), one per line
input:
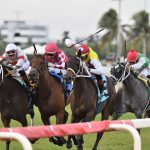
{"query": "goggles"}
(51, 55)
(12, 52)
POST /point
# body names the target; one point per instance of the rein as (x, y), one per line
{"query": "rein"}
(80, 72)
(2, 74)
(123, 76)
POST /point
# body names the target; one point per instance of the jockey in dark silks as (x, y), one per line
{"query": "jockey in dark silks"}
(19, 62)
(57, 61)
(91, 59)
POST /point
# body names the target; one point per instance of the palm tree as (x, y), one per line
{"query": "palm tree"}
(140, 31)
(110, 21)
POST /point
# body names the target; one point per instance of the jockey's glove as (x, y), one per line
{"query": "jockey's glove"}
(69, 43)
(15, 67)
(50, 65)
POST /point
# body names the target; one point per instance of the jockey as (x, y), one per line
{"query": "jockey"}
(57, 61)
(91, 59)
(139, 63)
(19, 62)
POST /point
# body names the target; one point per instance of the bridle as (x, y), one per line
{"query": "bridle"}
(35, 74)
(124, 75)
(82, 71)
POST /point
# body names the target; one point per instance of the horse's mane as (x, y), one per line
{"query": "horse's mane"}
(72, 61)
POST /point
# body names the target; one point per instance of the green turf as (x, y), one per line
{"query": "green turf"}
(111, 140)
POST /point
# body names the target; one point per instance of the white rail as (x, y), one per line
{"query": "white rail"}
(132, 130)
(19, 137)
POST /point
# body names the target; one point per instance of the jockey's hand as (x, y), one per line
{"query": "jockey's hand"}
(16, 67)
(50, 65)
(129, 67)
(69, 43)
(9, 67)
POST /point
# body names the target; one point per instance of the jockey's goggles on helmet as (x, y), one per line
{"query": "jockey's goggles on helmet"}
(50, 54)
(12, 52)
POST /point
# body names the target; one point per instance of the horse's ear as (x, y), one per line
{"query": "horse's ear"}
(118, 60)
(79, 54)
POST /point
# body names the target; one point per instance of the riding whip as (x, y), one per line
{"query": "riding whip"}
(89, 36)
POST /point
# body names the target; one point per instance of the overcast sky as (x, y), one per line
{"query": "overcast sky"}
(80, 17)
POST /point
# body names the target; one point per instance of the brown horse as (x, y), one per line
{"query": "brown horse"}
(50, 94)
(84, 97)
(13, 100)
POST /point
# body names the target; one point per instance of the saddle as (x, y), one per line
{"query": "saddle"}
(145, 82)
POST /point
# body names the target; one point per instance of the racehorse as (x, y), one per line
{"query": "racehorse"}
(13, 100)
(84, 97)
(50, 94)
(133, 96)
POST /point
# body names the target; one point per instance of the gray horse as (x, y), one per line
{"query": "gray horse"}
(133, 96)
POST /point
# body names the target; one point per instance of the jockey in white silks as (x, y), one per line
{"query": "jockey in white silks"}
(18, 60)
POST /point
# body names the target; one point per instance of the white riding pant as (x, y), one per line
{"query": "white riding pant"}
(145, 72)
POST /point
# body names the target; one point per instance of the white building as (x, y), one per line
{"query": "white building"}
(22, 32)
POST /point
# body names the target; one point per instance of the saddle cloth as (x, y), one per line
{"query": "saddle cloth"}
(102, 98)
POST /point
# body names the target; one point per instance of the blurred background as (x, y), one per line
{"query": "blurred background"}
(29, 21)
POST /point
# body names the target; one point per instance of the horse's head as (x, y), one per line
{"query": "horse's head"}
(119, 72)
(38, 66)
(72, 68)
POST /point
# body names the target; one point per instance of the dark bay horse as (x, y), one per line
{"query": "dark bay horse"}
(50, 94)
(83, 99)
(133, 96)
(13, 100)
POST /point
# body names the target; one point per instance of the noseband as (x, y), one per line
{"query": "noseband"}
(35, 73)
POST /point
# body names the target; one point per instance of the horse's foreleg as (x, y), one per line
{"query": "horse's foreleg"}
(6, 123)
(69, 142)
(45, 120)
(65, 116)
(60, 120)
(105, 116)
(138, 115)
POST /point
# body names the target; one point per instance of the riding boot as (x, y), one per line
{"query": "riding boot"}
(29, 91)
(68, 88)
(100, 83)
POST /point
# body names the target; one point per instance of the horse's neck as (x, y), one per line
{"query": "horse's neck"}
(46, 85)
(132, 83)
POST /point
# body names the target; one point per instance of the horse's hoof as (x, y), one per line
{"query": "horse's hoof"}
(63, 141)
(80, 148)
(69, 145)
(33, 141)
